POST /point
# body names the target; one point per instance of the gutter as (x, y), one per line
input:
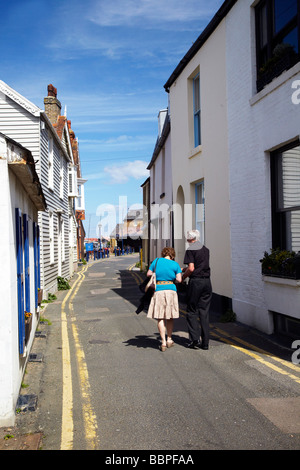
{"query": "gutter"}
(214, 23)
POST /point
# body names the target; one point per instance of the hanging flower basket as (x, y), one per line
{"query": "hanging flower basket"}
(28, 325)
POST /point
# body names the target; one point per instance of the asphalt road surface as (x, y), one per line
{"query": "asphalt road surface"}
(104, 384)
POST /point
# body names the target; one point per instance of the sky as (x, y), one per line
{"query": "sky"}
(109, 61)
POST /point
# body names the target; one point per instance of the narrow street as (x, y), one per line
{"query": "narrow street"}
(104, 384)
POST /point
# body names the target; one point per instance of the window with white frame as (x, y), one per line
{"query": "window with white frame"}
(79, 201)
(61, 178)
(199, 210)
(152, 179)
(79, 196)
(72, 181)
(163, 170)
(63, 258)
(51, 237)
(197, 110)
(50, 164)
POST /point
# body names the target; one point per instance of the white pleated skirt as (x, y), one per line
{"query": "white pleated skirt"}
(164, 305)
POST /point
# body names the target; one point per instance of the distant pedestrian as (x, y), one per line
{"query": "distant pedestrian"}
(199, 290)
(164, 303)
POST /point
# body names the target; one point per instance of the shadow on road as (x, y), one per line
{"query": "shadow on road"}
(231, 333)
(145, 342)
(129, 289)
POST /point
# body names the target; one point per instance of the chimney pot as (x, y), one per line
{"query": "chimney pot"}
(52, 91)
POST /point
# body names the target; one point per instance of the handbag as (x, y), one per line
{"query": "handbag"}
(151, 286)
(142, 286)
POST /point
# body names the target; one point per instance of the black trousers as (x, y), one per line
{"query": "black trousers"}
(199, 294)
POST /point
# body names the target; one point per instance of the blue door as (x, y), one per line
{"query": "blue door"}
(26, 262)
(20, 280)
(36, 247)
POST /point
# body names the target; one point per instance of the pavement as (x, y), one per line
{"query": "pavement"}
(24, 442)
(24, 435)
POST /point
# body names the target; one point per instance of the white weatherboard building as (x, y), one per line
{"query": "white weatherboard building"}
(21, 199)
(26, 123)
(38, 188)
(236, 154)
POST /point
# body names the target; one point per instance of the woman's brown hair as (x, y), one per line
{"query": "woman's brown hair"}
(168, 251)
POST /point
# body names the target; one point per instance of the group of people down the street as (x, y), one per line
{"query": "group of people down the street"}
(164, 305)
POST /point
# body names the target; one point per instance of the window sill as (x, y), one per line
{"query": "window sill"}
(276, 83)
(196, 151)
(282, 295)
(281, 281)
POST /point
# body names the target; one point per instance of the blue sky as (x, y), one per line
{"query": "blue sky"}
(109, 61)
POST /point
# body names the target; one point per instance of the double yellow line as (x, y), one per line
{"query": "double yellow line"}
(231, 339)
(234, 342)
(90, 424)
(136, 276)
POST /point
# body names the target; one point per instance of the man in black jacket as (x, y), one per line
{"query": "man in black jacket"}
(199, 291)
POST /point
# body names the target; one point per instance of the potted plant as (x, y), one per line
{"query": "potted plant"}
(28, 324)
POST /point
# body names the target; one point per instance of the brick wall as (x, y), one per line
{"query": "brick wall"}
(257, 123)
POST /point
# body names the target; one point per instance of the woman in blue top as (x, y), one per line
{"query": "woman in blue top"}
(164, 303)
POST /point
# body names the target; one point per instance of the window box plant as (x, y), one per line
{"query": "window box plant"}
(28, 325)
(284, 57)
(281, 276)
(281, 263)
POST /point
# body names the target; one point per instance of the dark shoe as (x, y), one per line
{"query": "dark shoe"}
(194, 345)
(205, 347)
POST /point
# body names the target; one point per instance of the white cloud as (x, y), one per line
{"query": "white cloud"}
(154, 13)
(138, 105)
(109, 122)
(123, 140)
(94, 176)
(136, 29)
(122, 173)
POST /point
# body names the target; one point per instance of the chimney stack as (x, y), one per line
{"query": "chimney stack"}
(52, 104)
